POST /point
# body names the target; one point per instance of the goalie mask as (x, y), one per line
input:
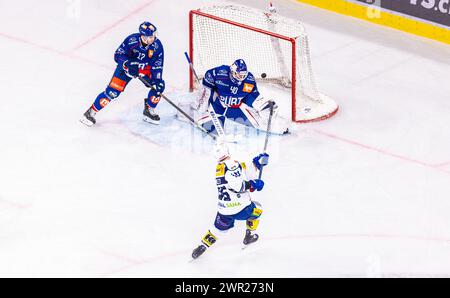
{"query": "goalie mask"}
(239, 70)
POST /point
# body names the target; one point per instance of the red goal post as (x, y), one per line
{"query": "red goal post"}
(219, 20)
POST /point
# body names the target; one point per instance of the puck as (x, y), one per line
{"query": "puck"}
(263, 75)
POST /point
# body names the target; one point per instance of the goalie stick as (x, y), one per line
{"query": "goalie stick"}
(147, 83)
(211, 112)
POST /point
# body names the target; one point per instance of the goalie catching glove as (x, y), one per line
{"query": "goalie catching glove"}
(262, 105)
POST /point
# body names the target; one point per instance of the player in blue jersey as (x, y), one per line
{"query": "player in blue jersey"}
(141, 54)
(232, 93)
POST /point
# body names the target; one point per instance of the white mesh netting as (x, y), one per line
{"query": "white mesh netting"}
(219, 43)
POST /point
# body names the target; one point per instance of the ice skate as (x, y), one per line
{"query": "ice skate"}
(150, 115)
(198, 251)
(250, 237)
(88, 117)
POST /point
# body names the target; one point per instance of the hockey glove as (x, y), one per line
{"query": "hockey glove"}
(262, 104)
(261, 160)
(131, 68)
(256, 184)
(158, 86)
(267, 106)
(145, 72)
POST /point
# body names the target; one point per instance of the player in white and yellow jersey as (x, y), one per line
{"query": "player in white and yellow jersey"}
(235, 183)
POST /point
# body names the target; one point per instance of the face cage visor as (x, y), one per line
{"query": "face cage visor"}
(149, 39)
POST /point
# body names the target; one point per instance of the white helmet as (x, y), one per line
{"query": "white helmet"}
(221, 152)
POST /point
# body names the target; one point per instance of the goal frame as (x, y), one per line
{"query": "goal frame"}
(192, 13)
(292, 40)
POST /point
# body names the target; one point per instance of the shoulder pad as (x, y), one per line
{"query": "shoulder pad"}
(222, 70)
(132, 39)
(220, 170)
(209, 77)
(158, 45)
(251, 77)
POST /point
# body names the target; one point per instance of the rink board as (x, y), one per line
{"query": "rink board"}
(382, 16)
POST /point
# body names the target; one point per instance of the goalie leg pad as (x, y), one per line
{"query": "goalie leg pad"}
(207, 123)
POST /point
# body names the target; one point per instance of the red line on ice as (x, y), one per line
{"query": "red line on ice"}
(441, 165)
(21, 40)
(382, 151)
(15, 205)
(54, 51)
(120, 257)
(443, 241)
(112, 26)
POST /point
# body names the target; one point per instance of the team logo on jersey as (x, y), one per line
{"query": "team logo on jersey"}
(133, 40)
(250, 77)
(112, 94)
(104, 102)
(222, 84)
(234, 204)
(231, 101)
(248, 88)
(220, 171)
(209, 78)
(150, 53)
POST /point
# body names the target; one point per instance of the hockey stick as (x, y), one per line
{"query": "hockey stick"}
(269, 123)
(192, 67)
(211, 112)
(145, 81)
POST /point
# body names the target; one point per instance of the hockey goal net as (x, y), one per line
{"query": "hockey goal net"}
(275, 48)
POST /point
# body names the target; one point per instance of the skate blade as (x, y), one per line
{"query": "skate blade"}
(86, 122)
(148, 120)
(244, 246)
(191, 260)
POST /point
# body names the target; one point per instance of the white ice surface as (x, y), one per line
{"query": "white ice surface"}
(366, 193)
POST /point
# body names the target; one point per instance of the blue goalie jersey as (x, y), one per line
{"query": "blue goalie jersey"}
(230, 92)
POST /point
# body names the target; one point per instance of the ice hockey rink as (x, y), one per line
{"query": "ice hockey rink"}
(365, 193)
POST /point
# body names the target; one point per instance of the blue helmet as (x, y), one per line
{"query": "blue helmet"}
(239, 70)
(147, 29)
